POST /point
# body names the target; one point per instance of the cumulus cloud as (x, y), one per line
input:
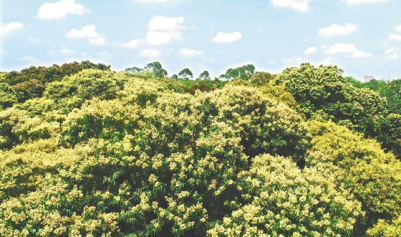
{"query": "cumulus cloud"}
(98, 41)
(310, 50)
(31, 59)
(163, 29)
(348, 49)
(9, 27)
(159, 38)
(150, 53)
(299, 5)
(65, 52)
(398, 28)
(88, 31)
(292, 60)
(356, 2)
(394, 37)
(392, 53)
(132, 43)
(227, 37)
(60, 9)
(189, 52)
(337, 30)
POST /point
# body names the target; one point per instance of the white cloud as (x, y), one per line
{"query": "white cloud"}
(292, 60)
(9, 27)
(67, 51)
(355, 2)
(150, 53)
(31, 59)
(392, 53)
(348, 49)
(227, 37)
(394, 37)
(60, 9)
(398, 28)
(89, 32)
(189, 52)
(360, 54)
(166, 23)
(159, 37)
(163, 29)
(337, 30)
(326, 61)
(392, 56)
(98, 41)
(299, 5)
(132, 43)
(392, 50)
(310, 50)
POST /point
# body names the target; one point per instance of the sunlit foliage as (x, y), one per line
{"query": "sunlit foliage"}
(136, 153)
(371, 174)
(322, 91)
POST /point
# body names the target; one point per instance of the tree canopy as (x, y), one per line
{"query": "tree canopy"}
(306, 152)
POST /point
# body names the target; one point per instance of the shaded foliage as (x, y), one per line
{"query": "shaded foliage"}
(31, 82)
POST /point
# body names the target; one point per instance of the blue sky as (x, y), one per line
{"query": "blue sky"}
(363, 37)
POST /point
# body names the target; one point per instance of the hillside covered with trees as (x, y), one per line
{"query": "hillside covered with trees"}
(86, 151)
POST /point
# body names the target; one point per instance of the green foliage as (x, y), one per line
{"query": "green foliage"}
(323, 92)
(237, 82)
(134, 69)
(262, 78)
(282, 200)
(378, 86)
(184, 73)
(31, 82)
(145, 163)
(371, 174)
(157, 69)
(393, 94)
(136, 153)
(3, 77)
(354, 82)
(244, 72)
(204, 75)
(7, 96)
(279, 94)
(385, 228)
(390, 133)
(191, 86)
(87, 84)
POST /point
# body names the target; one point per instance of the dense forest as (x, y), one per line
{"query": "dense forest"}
(86, 151)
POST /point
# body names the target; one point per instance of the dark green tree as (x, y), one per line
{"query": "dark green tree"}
(204, 75)
(184, 73)
(133, 69)
(157, 69)
(31, 82)
(244, 72)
